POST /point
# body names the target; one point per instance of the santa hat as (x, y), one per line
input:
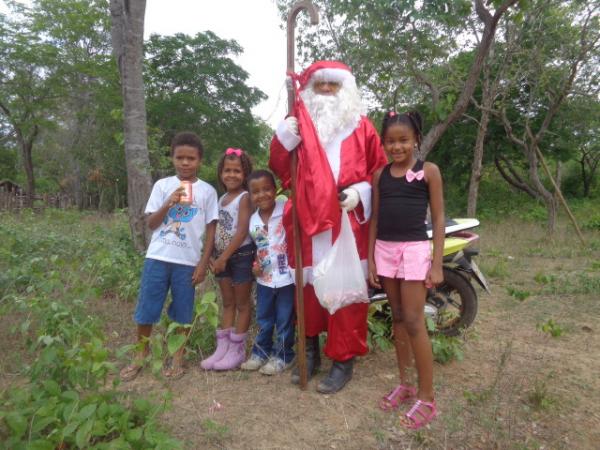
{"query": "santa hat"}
(332, 71)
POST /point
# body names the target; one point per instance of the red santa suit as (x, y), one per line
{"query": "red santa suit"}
(348, 160)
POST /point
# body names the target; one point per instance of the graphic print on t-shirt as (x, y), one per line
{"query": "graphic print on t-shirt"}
(224, 228)
(261, 239)
(175, 218)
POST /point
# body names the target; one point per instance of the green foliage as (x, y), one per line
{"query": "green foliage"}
(379, 323)
(573, 283)
(37, 254)
(66, 398)
(592, 223)
(215, 432)
(517, 293)
(193, 84)
(550, 327)
(445, 348)
(407, 42)
(539, 397)
(170, 337)
(498, 270)
(60, 85)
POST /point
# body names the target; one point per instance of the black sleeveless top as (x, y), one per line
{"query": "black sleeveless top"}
(402, 206)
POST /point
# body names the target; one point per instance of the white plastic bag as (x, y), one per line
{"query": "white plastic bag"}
(339, 279)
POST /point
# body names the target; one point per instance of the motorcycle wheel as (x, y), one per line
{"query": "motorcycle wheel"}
(455, 301)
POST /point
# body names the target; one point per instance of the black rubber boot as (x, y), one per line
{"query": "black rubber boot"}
(339, 375)
(313, 359)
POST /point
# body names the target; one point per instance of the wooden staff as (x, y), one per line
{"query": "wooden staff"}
(291, 26)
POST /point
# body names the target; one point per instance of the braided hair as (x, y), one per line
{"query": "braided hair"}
(244, 160)
(411, 119)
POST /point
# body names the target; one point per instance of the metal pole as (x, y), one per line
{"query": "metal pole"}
(291, 25)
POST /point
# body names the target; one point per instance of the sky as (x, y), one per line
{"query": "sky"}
(254, 24)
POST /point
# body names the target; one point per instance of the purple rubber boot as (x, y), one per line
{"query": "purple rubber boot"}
(236, 354)
(223, 344)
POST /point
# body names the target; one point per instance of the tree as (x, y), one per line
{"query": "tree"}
(193, 84)
(30, 85)
(128, 46)
(542, 77)
(399, 51)
(78, 146)
(57, 88)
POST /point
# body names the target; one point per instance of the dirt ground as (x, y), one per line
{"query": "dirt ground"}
(517, 387)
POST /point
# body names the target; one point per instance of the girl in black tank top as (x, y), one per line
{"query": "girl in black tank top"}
(400, 258)
(403, 205)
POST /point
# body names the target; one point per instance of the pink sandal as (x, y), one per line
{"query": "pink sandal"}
(400, 394)
(417, 422)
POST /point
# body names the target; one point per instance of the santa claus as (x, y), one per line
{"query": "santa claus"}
(338, 151)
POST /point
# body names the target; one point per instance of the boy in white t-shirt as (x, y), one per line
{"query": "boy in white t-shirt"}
(175, 259)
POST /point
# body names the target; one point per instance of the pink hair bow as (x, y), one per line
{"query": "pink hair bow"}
(410, 175)
(234, 151)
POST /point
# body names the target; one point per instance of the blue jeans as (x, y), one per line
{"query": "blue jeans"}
(157, 278)
(275, 309)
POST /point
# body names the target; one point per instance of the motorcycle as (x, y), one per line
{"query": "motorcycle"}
(452, 306)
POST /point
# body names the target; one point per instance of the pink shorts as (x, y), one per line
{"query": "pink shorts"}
(407, 260)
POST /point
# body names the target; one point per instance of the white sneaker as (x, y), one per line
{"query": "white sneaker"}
(275, 366)
(255, 362)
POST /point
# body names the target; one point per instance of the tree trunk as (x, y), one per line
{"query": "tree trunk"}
(586, 183)
(128, 40)
(558, 179)
(28, 163)
(552, 209)
(477, 164)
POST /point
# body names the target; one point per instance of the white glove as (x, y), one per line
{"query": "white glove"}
(351, 200)
(292, 124)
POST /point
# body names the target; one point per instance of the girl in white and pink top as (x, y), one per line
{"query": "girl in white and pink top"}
(232, 263)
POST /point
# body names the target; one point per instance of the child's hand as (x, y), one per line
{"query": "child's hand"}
(435, 276)
(176, 196)
(256, 269)
(373, 278)
(218, 265)
(199, 274)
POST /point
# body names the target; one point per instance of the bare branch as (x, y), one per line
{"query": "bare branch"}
(509, 130)
(512, 177)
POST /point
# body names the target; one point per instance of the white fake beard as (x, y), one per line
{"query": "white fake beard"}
(332, 114)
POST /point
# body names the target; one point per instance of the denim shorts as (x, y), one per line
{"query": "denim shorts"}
(157, 278)
(239, 265)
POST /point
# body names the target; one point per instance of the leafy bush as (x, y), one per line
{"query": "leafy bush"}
(67, 400)
(592, 223)
(517, 293)
(445, 348)
(550, 327)
(379, 323)
(52, 265)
